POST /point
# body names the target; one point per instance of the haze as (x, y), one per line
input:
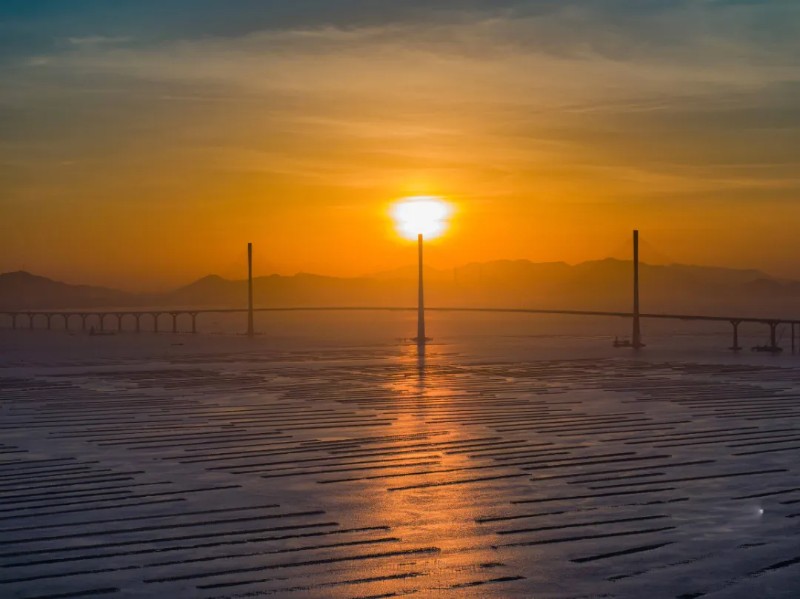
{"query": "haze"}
(144, 142)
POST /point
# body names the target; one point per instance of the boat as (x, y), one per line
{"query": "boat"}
(771, 349)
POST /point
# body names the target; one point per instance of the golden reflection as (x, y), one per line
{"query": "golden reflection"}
(421, 366)
(420, 502)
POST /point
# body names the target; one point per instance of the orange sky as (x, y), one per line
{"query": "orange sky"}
(145, 161)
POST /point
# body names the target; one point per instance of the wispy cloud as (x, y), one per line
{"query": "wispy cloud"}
(97, 40)
(572, 72)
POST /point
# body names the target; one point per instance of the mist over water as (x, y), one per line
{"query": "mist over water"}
(520, 336)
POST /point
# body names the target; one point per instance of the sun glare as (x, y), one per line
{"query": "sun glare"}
(426, 215)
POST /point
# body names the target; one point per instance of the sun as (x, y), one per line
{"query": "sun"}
(421, 215)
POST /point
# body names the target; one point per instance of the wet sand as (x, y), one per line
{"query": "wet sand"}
(215, 466)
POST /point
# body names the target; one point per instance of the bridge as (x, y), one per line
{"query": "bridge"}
(98, 319)
(90, 318)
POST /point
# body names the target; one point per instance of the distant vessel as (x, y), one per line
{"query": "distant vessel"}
(772, 349)
(95, 333)
(625, 342)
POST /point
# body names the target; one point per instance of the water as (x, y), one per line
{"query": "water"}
(519, 456)
(529, 335)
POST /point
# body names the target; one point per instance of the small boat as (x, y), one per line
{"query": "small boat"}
(95, 333)
(622, 342)
(771, 349)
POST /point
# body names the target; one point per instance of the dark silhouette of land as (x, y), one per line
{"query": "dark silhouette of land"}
(601, 285)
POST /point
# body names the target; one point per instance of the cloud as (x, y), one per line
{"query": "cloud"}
(578, 49)
(643, 86)
(98, 40)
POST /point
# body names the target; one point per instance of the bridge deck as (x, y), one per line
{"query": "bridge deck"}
(364, 473)
(198, 311)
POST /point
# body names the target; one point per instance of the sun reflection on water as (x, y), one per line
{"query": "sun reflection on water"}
(420, 504)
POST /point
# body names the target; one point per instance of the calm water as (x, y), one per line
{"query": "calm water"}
(507, 335)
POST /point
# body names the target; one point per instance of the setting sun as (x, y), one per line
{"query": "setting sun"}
(425, 215)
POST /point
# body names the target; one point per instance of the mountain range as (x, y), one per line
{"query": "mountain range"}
(600, 284)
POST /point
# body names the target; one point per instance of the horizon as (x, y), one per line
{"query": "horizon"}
(410, 267)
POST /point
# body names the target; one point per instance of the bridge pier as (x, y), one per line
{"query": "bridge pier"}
(86, 320)
(735, 346)
(773, 325)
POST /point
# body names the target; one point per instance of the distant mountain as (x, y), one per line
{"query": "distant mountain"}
(599, 284)
(211, 290)
(410, 272)
(22, 289)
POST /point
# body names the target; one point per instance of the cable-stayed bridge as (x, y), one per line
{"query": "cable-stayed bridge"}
(97, 320)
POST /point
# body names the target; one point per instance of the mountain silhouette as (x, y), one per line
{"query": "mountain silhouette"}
(599, 284)
(24, 290)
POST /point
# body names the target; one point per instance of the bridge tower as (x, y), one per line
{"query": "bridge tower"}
(636, 338)
(421, 338)
(250, 331)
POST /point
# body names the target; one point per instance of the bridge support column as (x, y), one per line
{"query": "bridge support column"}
(250, 331)
(174, 321)
(48, 317)
(138, 318)
(30, 321)
(83, 321)
(636, 337)
(119, 322)
(155, 321)
(66, 321)
(14, 321)
(102, 318)
(735, 346)
(773, 325)
(194, 321)
(792, 337)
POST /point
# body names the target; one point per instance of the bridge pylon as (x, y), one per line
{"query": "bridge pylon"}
(636, 336)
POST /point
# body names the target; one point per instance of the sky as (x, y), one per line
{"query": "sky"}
(143, 144)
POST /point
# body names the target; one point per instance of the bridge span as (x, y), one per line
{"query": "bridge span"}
(98, 319)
